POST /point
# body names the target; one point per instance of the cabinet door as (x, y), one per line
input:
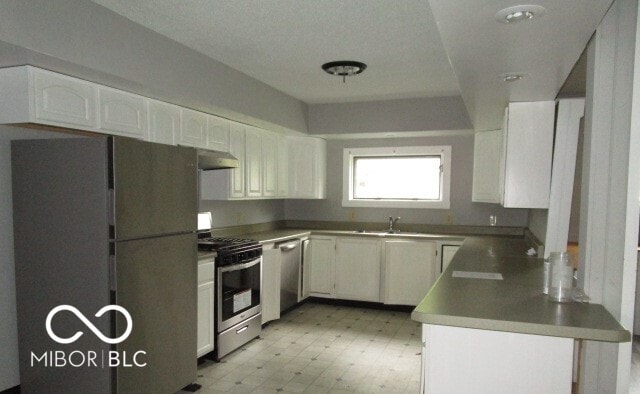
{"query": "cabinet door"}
(307, 162)
(123, 114)
(283, 167)
(487, 153)
(205, 334)
(193, 128)
(321, 265)
(218, 133)
(529, 148)
(270, 283)
(253, 161)
(64, 101)
(238, 149)
(269, 164)
(358, 269)
(164, 122)
(410, 271)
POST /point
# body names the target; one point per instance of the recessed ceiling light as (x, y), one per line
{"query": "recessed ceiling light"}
(519, 13)
(512, 77)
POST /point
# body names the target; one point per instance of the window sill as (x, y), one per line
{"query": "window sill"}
(396, 204)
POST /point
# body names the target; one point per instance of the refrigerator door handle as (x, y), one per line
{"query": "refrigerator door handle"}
(113, 274)
(111, 207)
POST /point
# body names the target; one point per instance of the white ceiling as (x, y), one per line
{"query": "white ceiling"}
(283, 43)
(413, 48)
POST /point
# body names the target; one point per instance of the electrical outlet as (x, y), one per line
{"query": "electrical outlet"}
(352, 215)
(448, 219)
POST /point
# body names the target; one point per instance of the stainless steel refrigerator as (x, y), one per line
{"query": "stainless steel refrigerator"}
(101, 221)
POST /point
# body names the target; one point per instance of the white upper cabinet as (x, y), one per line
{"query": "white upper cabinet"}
(528, 154)
(218, 133)
(269, 164)
(237, 147)
(164, 122)
(63, 100)
(512, 166)
(487, 155)
(122, 113)
(283, 167)
(32, 95)
(307, 167)
(227, 184)
(253, 162)
(193, 128)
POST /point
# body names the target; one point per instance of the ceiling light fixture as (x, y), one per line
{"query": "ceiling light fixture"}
(519, 13)
(344, 68)
(512, 77)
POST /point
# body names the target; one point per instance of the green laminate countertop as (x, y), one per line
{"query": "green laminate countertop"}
(514, 304)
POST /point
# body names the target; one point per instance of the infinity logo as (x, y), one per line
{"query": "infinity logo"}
(87, 323)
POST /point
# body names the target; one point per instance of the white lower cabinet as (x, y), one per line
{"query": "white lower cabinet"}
(396, 272)
(321, 266)
(468, 360)
(206, 300)
(358, 269)
(410, 271)
(271, 268)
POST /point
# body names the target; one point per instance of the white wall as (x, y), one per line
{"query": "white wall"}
(238, 213)
(420, 114)
(9, 374)
(462, 212)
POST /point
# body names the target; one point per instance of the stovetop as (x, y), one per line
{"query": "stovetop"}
(217, 243)
(231, 250)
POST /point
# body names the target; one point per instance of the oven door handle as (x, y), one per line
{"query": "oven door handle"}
(237, 267)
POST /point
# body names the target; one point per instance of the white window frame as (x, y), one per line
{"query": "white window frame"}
(444, 151)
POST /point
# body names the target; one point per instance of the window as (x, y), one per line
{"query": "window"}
(400, 177)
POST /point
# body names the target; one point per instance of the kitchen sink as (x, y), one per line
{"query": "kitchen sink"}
(386, 232)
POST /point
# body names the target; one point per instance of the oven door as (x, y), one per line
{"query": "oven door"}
(238, 293)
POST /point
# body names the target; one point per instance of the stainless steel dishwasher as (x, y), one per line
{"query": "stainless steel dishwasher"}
(291, 259)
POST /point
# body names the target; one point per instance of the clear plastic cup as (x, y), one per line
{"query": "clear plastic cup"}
(561, 273)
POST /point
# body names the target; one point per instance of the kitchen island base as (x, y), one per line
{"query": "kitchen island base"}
(467, 360)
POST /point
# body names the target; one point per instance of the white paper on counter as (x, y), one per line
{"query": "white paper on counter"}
(477, 275)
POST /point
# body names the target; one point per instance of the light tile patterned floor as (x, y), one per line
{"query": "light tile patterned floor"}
(318, 348)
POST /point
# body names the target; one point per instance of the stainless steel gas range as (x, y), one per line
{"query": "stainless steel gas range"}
(238, 280)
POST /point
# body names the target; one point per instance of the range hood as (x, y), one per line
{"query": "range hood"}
(215, 160)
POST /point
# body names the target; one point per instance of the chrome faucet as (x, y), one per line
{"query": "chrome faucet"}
(392, 222)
